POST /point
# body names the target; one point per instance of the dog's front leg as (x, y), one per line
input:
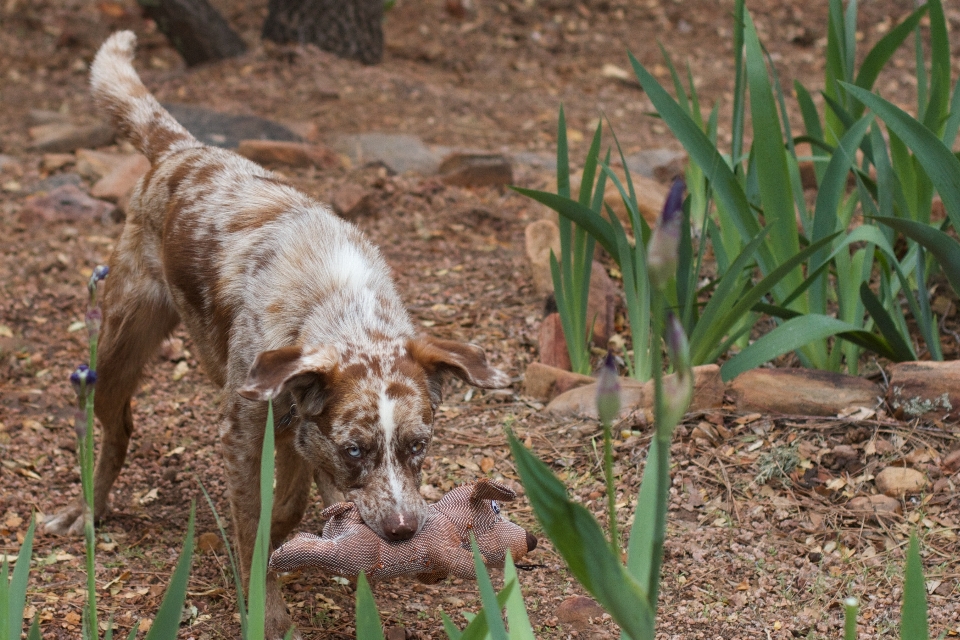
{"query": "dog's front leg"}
(241, 437)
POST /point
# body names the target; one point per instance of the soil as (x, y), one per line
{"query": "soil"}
(760, 543)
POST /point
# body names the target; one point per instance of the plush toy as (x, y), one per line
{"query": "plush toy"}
(440, 548)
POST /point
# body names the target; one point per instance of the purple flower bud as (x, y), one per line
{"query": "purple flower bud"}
(94, 320)
(99, 273)
(664, 242)
(608, 390)
(678, 348)
(83, 379)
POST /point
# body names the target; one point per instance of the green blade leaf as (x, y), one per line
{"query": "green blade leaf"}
(913, 616)
(17, 595)
(881, 53)
(579, 539)
(789, 336)
(491, 608)
(591, 221)
(944, 248)
(256, 614)
(450, 628)
(939, 163)
(237, 580)
(888, 328)
(517, 618)
(477, 628)
(167, 621)
(368, 618)
(34, 632)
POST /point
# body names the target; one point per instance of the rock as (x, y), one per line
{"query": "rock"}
(172, 349)
(553, 345)
(66, 203)
(476, 170)
(54, 161)
(535, 160)
(117, 185)
(93, 165)
(650, 197)
(801, 392)
(55, 181)
(578, 610)
(209, 541)
(875, 506)
(660, 164)
(544, 382)
(396, 633)
(899, 481)
(227, 130)
(930, 390)
(708, 391)
(351, 200)
(601, 304)
(542, 237)
(45, 116)
(61, 137)
(291, 154)
(398, 152)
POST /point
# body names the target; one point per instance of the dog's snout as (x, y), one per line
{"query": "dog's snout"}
(531, 542)
(400, 525)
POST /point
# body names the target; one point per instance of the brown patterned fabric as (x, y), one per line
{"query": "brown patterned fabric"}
(441, 547)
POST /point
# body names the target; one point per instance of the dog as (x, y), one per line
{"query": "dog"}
(284, 301)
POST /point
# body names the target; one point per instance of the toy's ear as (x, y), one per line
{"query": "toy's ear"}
(336, 509)
(491, 490)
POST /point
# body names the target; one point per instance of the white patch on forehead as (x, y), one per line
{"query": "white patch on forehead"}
(388, 424)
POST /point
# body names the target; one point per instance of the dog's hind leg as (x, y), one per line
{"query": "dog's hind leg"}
(138, 315)
(292, 493)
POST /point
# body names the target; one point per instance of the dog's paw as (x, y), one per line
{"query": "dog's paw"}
(68, 522)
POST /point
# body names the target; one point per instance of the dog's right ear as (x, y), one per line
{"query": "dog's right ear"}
(287, 369)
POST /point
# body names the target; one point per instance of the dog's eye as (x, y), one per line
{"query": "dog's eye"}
(354, 451)
(417, 447)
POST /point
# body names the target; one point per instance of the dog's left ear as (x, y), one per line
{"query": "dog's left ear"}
(289, 369)
(465, 361)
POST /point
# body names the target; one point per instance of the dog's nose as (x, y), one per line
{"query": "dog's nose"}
(400, 525)
(531, 542)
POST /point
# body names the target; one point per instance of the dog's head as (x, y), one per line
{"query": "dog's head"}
(366, 418)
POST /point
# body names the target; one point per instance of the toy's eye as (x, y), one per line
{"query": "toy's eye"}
(417, 447)
(495, 506)
(354, 451)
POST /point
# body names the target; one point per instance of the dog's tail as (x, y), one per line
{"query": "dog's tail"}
(137, 115)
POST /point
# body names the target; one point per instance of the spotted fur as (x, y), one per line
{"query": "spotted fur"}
(283, 301)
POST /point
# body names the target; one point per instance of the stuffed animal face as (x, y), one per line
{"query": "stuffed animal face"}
(441, 547)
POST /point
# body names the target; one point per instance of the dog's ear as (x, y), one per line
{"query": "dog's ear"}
(302, 370)
(465, 361)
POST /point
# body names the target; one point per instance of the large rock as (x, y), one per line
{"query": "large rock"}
(660, 164)
(476, 170)
(66, 203)
(63, 137)
(544, 382)
(650, 197)
(897, 482)
(930, 390)
(577, 611)
(227, 130)
(285, 152)
(351, 200)
(542, 237)
(708, 391)
(398, 152)
(875, 507)
(801, 392)
(93, 165)
(553, 345)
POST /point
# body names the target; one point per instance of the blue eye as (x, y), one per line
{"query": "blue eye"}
(354, 451)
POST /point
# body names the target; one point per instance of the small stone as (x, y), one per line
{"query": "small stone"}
(875, 506)
(476, 170)
(553, 345)
(291, 154)
(209, 541)
(56, 181)
(544, 382)
(396, 633)
(180, 370)
(66, 203)
(93, 165)
(118, 184)
(801, 392)
(928, 389)
(351, 200)
(227, 130)
(59, 137)
(171, 350)
(899, 481)
(400, 153)
(578, 610)
(54, 161)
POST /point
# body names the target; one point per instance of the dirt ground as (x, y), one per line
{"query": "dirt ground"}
(759, 545)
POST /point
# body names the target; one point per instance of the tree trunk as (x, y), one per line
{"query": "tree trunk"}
(195, 28)
(348, 28)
